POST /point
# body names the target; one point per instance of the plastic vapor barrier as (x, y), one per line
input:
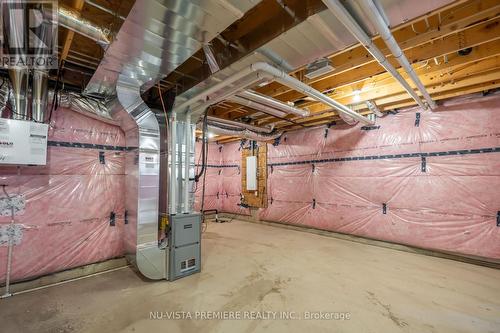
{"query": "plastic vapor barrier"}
(223, 179)
(73, 211)
(421, 178)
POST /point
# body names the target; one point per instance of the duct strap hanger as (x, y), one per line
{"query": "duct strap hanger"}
(417, 119)
(102, 158)
(112, 219)
(369, 128)
(384, 208)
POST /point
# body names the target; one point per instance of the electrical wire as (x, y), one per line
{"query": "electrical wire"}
(204, 149)
(162, 104)
(204, 157)
(54, 97)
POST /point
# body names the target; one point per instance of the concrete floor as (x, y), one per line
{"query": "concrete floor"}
(251, 267)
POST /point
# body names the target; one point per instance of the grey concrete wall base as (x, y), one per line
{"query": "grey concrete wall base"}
(481, 261)
(69, 274)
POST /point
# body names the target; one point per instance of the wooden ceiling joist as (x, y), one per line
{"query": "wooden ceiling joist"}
(70, 34)
(433, 52)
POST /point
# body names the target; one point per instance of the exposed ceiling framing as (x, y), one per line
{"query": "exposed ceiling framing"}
(454, 51)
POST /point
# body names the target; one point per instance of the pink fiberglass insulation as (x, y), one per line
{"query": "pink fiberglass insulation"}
(436, 173)
(223, 179)
(66, 220)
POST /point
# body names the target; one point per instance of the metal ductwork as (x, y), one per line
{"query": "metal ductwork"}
(4, 95)
(379, 19)
(19, 97)
(336, 7)
(274, 103)
(72, 20)
(241, 125)
(348, 120)
(39, 95)
(241, 132)
(144, 52)
(142, 170)
(269, 71)
(373, 107)
(40, 78)
(14, 19)
(20, 77)
(275, 59)
(92, 107)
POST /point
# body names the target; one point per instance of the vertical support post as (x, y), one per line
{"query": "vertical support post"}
(10, 246)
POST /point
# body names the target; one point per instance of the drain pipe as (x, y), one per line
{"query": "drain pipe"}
(350, 23)
(274, 103)
(278, 75)
(257, 106)
(376, 16)
(251, 79)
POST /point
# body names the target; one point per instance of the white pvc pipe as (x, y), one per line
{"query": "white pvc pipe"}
(173, 167)
(187, 142)
(350, 23)
(278, 75)
(257, 106)
(228, 92)
(204, 94)
(274, 103)
(376, 15)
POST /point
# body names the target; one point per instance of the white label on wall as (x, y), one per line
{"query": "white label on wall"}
(252, 173)
(23, 142)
